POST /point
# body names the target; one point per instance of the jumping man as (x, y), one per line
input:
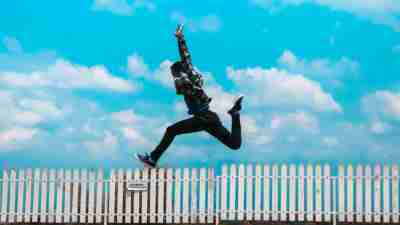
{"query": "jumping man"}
(189, 83)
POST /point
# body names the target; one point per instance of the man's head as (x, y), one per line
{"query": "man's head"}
(176, 69)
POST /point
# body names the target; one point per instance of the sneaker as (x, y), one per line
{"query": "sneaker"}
(236, 107)
(146, 159)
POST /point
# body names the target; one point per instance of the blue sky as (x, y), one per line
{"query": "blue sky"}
(87, 83)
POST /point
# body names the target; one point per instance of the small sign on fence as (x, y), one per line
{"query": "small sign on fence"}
(137, 186)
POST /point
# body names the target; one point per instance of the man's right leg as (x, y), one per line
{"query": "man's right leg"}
(190, 125)
(231, 139)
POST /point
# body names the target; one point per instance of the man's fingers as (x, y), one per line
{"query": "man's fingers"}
(179, 29)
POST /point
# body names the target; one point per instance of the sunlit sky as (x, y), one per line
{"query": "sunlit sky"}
(87, 84)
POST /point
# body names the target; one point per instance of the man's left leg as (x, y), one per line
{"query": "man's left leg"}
(190, 125)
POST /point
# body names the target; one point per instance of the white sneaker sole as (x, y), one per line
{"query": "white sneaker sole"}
(145, 164)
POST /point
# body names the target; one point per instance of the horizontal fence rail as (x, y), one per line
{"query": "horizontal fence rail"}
(286, 193)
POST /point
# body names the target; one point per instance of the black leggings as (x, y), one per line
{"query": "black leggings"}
(206, 121)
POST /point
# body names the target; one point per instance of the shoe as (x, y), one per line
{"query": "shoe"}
(146, 159)
(236, 107)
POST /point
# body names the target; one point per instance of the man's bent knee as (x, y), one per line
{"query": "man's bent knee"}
(235, 146)
(171, 130)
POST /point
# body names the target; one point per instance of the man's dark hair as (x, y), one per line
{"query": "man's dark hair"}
(176, 69)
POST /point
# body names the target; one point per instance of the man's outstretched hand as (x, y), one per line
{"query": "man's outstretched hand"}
(179, 31)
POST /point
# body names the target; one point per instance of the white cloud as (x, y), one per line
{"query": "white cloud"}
(274, 87)
(105, 147)
(136, 65)
(42, 111)
(28, 118)
(12, 45)
(135, 136)
(65, 75)
(302, 120)
(382, 104)
(378, 127)
(330, 141)
(320, 67)
(383, 12)
(44, 108)
(207, 23)
(138, 68)
(122, 7)
(10, 139)
(163, 75)
(125, 117)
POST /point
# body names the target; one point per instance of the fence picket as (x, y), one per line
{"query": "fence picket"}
(241, 185)
(169, 195)
(211, 183)
(395, 194)
(83, 195)
(249, 191)
(368, 194)
(224, 192)
(292, 193)
(359, 196)
(52, 194)
(111, 197)
(67, 200)
(13, 192)
(177, 197)
(99, 197)
(266, 194)
(4, 197)
(193, 209)
(327, 194)
(75, 195)
(43, 204)
(310, 193)
(91, 206)
(153, 195)
(341, 194)
(160, 192)
(318, 193)
(377, 193)
(36, 191)
(28, 196)
(185, 197)
(386, 200)
(283, 193)
(301, 194)
(120, 195)
(145, 194)
(257, 193)
(202, 195)
(128, 197)
(232, 193)
(275, 191)
(350, 193)
(21, 184)
(136, 199)
(59, 188)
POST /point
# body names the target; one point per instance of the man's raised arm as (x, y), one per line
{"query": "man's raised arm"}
(183, 49)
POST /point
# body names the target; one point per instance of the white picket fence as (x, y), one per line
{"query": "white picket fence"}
(363, 194)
